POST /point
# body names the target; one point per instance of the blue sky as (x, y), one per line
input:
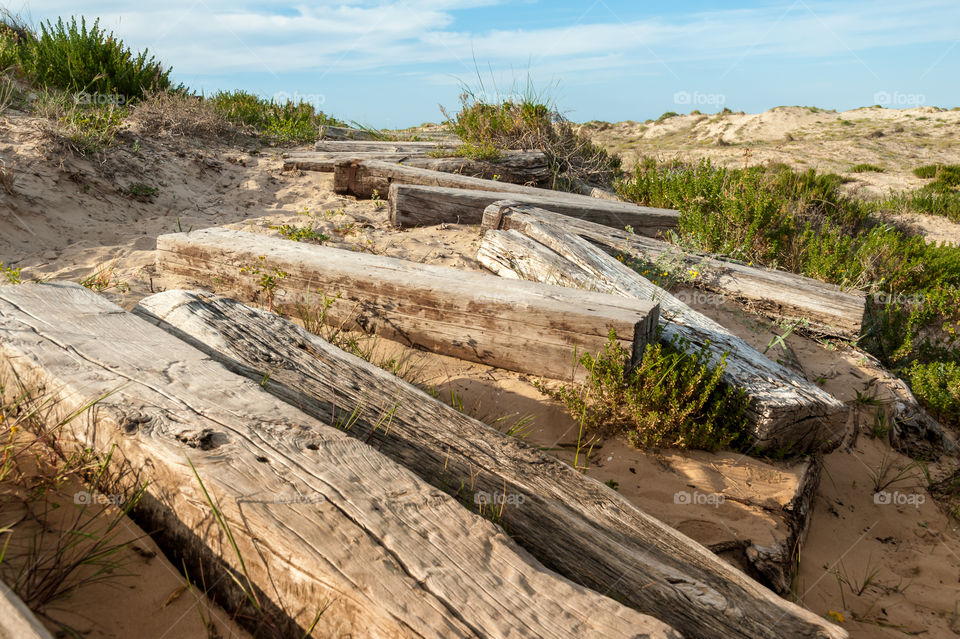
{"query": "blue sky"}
(390, 63)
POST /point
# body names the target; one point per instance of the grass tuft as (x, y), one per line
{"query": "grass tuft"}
(674, 398)
(530, 121)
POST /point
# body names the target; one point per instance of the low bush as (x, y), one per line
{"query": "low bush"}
(803, 223)
(531, 122)
(937, 385)
(674, 398)
(866, 168)
(89, 62)
(285, 122)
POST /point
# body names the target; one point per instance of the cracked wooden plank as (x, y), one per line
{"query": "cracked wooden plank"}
(569, 521)
(522, 326)
(827, 309)
(319, 517)
(786, 412)
(420, 205)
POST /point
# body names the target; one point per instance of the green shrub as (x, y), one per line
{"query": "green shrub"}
(937, 385)
(667, 116)
(674, 398)
(531, 122)
(866, 168)
(91, 62)
(302, 233)
(801, 222)
(929, 201)
(926, 172)
(288, 122)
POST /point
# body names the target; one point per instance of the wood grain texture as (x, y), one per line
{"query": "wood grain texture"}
(571, 522)
(318, 516)
(378, 146)
(828, 309)
(786, 412)
(17, 621)
(521, 326)
(515, 167)
(361, 178)
(328, 132)
(418, 205)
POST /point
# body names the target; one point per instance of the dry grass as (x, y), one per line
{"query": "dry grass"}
(167, 114)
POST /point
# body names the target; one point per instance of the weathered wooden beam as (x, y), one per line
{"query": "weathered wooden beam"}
(362, 177)
(786, 412)
(327, 132)
(379, 146)
(571, 522)
(325, 162)
(515, 167)
(419, 205)
(828, 309)
(521, 326)
(16, 620)
(318, 517)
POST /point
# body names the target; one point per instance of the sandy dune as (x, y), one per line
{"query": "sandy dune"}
(74, 218)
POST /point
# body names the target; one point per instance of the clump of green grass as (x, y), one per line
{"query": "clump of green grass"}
(667, 116)
(533, 122)
(866, 168)
(285, 122)
(143, 191)
(74, 58)
(483, 151)
(674, 398)
(302, 233)
(926, 172)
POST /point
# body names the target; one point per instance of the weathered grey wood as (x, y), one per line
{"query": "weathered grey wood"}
(521, 326)
(362, 177)
(913, 431)
(16, 620)
(318, 516)
(419, 205)
(828, 309)
(785, 411)
(325, 162)
(573, 523)
(327, 132)
(379, 146)
(515, 167)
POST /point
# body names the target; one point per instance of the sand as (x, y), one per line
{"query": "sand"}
(73, 218)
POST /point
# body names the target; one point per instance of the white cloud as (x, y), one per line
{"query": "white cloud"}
(201, 37)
